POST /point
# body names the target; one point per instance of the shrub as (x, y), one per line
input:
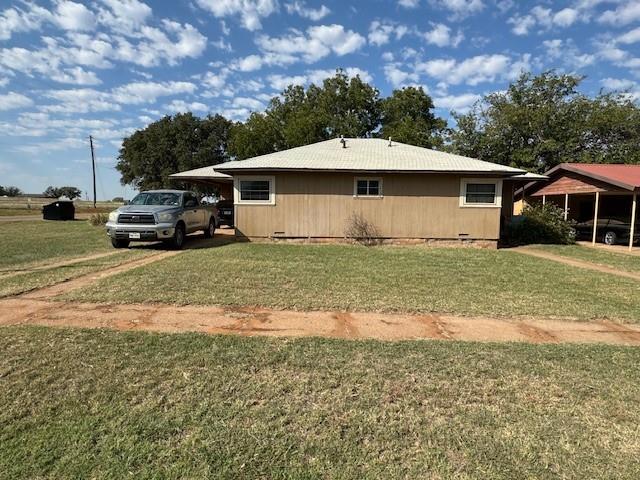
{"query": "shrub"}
(98, 219)
(541, 224)
(360, 230)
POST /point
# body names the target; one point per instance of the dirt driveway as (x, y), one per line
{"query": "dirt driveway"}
(38, 307)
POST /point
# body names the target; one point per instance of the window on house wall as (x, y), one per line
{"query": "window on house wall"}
(255, 190)
(480, 193)
(368, 187)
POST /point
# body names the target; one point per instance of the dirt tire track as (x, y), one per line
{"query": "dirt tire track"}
(47, 266)
(344, 327)
(84, 280)
(623, 331)
(536, 334)
(575, 263)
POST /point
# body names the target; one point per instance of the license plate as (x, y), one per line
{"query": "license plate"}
(134, 235)
(226, 212)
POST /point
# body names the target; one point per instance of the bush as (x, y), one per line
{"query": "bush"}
(98, 219)
(360, 230)
(541, 224)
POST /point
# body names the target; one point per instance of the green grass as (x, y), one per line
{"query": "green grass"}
(621, 261)
(102, 404)
(405, 279)
(24, 282)
(30, 243)
(12, 212)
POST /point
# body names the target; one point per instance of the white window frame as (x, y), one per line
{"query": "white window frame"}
(355, 187)
(497, 203)
(250, 178)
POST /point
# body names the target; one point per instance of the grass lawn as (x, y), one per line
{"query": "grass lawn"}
(408, 279)
(102, 404)
(12, 212)
(621, 261)
(30, 243)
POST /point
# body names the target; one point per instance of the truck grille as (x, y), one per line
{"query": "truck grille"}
(137, 218)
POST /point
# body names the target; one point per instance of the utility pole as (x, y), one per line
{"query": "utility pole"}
(93, 168)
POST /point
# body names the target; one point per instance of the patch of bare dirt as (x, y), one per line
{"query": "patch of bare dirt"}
(576, 263)
(47, 266)
(265, 322)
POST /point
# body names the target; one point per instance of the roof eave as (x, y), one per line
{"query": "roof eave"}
(364, 171)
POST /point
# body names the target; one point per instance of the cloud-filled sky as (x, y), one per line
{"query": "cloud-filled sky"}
(69, 69)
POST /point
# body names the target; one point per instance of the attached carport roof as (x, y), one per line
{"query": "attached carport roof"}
(203, 174)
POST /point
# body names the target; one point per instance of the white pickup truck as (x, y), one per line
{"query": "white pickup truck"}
(167, 215)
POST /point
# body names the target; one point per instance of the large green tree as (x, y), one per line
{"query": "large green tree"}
(170, 145)
(541, 121)
(340, 106)
(56, 192)
(408, 118)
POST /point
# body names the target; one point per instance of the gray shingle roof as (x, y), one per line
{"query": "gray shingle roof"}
(366, 154)
(201, 173)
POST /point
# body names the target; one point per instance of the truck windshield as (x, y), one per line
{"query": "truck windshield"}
(156, 198)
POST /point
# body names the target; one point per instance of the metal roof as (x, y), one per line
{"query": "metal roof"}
(620, 175)
(366, 154)
(204, 173)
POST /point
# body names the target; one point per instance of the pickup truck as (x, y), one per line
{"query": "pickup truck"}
(167, 215)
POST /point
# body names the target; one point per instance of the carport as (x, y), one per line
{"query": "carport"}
(209, 177)
(590, 192)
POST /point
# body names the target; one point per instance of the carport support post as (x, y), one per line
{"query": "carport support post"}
(566, 207)
(633, 219)
(595, 218)
(544, 199)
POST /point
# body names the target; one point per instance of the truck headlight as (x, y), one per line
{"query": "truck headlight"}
(165, 217)
(113, 216)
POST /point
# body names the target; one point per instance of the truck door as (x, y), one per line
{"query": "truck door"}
(193, 213)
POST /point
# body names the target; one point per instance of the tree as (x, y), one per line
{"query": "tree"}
(170, 145)
(56, 192)
(10, 191)
(407, 117)
(541, 121)
(340, 106)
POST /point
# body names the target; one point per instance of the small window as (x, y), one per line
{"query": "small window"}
(255, 190)
(368, 187)
(481, 193)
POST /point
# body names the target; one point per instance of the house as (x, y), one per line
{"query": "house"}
(590, 193)
(409, 193)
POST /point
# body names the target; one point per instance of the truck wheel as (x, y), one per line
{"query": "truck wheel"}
(210, 231)
(610, 238)
(178, 239)
(119, 243)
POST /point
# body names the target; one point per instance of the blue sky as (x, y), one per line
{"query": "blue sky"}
(107, 67)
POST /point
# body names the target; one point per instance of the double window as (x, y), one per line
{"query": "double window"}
(480, 193)
(258, 190)
(367, 187)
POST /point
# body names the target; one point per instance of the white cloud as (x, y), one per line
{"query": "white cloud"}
(4, 81)
(460, 8)
(76, 76)
(248, 64)
(380, 32)
(249, 11)
(148, 92)
(632, 36)
(18, 20)
(397, 77)
(545, 18)
(318, 42)
(624, 14)
(441, 36)
(304, 11)
(460, 103)
(568, 53)
(408, 3)
(182, 106)
(215, 80)
(13, 100)
(124, 16)
(248, 103)
(472, 71)
(618, 84)
(74, 16)
(280, 82)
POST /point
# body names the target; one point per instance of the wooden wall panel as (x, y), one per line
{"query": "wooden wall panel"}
(413, 206)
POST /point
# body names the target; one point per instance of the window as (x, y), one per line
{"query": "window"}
(476, 192)
(481, 193)
(368, 187)
(255, 190)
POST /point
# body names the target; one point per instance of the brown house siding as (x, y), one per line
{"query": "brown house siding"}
(414, 206)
